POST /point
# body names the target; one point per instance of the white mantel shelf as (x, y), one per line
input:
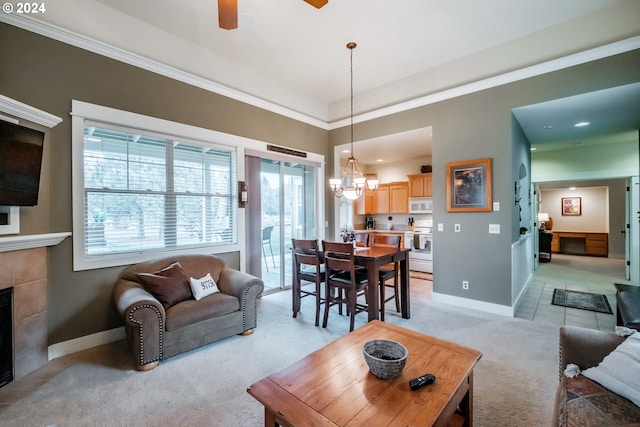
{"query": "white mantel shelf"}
(17, 243)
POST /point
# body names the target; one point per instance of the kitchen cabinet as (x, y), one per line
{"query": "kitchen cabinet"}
(420, 185)
(363, 205)
(381, 199)
(399, 197)
(388, 198)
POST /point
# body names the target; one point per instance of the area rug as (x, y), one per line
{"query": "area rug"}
(581, 300)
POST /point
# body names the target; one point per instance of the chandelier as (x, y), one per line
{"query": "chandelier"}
(352, 184)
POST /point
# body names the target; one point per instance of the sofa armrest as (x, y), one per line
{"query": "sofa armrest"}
(144, 319)
(247, 288)
(585, 347)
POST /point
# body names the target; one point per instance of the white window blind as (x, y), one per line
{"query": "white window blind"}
(146, 192)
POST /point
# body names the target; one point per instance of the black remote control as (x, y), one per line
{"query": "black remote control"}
(416, 383)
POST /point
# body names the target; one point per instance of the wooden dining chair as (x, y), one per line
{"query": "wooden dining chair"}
(387, 271)
(362, 239)
(343, 276)
(308, 266)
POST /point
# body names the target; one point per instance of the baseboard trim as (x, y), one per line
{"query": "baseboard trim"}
(88, 341)
(502, 310)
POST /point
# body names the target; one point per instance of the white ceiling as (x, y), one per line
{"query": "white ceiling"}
(292, 55)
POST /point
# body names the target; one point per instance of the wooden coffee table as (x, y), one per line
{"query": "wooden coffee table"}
(333, 386)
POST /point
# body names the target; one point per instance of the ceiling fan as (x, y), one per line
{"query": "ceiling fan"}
(228, 12)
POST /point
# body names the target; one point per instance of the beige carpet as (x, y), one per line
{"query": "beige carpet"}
(514, 381)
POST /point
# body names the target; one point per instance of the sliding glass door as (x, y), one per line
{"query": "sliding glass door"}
(287, 209)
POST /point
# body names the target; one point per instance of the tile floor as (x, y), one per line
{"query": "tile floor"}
(578, 273)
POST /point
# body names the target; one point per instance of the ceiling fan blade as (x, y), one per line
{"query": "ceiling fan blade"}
(228, 14)
(317, 3)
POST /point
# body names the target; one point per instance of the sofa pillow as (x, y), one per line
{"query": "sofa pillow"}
(169, 285)
(203, 286)
(620, 370)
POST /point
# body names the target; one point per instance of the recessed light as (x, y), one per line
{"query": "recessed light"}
(533, 148)
(572, 188)
(581, 124)
(379, 160)
(346, 151)
(548, 126)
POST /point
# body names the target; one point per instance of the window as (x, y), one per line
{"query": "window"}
(144, 192)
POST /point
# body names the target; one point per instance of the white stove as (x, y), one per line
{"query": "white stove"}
(420, 241)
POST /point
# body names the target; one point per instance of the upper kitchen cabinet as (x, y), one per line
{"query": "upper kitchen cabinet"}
(364, 204)
(381, 199)
(420, 185)
(399, 197)
(387, 198)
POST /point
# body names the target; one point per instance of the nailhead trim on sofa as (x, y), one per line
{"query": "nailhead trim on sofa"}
(140, 335)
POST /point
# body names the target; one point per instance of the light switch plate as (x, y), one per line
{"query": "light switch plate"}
(496, 206)
(456, 228)
(440, 226)
(494, 228)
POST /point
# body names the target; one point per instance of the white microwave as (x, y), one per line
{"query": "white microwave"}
(419, 205)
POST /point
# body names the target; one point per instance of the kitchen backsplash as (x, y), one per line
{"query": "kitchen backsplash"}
(382, 222)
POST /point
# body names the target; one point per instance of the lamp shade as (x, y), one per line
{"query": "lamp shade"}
(543, 217)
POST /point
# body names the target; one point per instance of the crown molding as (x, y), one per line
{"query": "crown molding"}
(594, 54)
(27, 112)
(68, 37)
(60, 34)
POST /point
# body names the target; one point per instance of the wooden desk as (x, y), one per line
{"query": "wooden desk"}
(595, 244)
(333, 386)
(372, 258)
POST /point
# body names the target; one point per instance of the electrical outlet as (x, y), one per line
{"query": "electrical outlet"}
(465, 285)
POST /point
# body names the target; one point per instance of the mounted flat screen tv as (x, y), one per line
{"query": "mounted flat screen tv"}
(20, 164)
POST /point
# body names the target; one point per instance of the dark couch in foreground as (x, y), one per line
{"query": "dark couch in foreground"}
(163, 319)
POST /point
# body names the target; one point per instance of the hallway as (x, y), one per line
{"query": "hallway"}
(578, 273)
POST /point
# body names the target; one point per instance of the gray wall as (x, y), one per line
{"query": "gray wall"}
(476, 126)
(48, 74)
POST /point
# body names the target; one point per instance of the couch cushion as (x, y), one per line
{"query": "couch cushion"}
(620, 370)
(191, 311)
(586, 403)
(203, 286)
(169, 285)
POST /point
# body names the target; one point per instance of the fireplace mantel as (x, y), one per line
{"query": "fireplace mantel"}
(16, 243)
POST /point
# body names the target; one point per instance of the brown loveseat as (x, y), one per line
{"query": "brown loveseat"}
(579, 400)
(172, 321)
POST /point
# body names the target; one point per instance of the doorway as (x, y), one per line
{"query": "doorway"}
(284, 206)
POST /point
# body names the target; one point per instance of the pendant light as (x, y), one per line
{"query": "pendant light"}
(352, 184)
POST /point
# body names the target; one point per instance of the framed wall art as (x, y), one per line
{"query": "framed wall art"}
(572, 206)
(469, 186)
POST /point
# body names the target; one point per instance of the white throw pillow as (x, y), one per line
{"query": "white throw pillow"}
(620, 370)
(203, 286)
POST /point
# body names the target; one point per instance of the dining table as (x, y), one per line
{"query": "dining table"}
(372, 258)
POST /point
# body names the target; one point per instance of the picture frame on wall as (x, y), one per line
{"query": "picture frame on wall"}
(469, 186)
(572, 206)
